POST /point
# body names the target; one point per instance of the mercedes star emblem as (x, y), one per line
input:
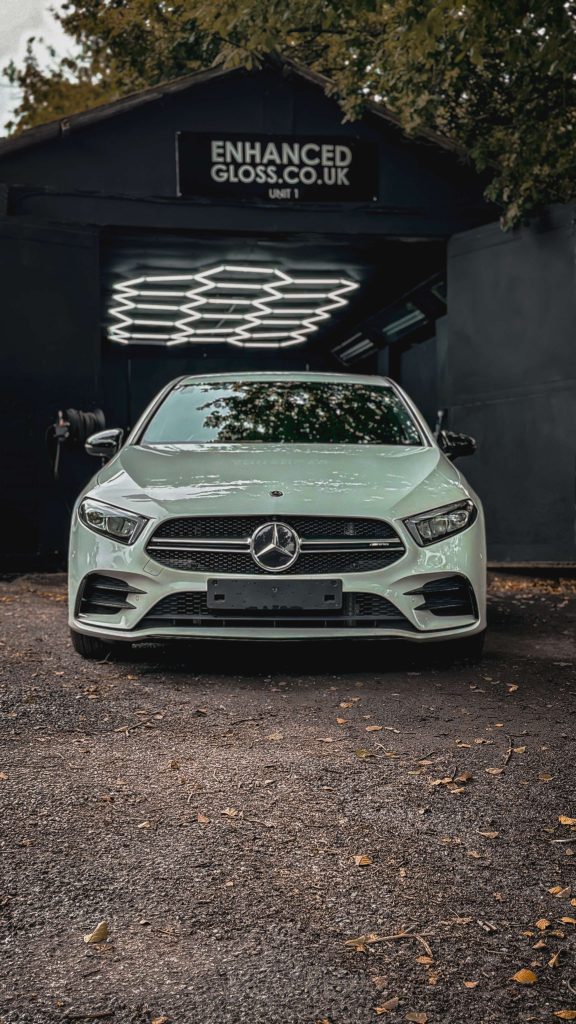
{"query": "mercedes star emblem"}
(275, 547)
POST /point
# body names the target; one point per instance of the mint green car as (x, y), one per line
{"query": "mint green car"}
(278, 506)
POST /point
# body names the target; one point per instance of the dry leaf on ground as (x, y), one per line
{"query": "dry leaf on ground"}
(489, 835)
(360, 752)
(542, 924)
(203, 819)
(275, 736)
(361, 860)
(391, 1004)
(373, 728)
(230, 811)
(545, 777)
(494, 771)
(144, 824)
(471, 984)
(566, 1014)
(565, 820)
(418, 1018)
(160, 1020)
(524, 977)
(424, 960)
(100, 933)
(554, 962)
(568, 920)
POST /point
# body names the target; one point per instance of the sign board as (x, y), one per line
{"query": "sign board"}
(331, 168)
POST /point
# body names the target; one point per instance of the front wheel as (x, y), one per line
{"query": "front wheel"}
(467, 649)
(92, 647)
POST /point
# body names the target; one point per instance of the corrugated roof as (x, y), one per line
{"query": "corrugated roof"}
(63, 126)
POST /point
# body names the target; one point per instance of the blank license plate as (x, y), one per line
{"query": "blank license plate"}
(275, 595)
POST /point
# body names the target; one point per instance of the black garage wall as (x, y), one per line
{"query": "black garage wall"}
(511, 380)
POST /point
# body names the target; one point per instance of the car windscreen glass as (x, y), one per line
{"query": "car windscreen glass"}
(282, 412)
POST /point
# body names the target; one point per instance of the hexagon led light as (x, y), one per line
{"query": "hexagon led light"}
(245, 306)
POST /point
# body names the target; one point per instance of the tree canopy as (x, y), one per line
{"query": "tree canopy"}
(498, 77)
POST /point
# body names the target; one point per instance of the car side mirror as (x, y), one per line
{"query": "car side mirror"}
(455, 446)
(105, 444)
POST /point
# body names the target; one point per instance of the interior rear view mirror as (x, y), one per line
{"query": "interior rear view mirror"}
(106, 443)
(455, 446)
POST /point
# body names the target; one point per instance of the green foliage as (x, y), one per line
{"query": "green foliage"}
(494, 75)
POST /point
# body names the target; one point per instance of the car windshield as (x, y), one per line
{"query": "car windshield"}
(284, 412)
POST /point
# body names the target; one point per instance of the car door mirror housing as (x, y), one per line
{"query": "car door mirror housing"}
(105, 444)
(455, 446)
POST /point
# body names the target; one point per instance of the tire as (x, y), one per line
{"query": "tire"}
(468, 649)
(92, 647)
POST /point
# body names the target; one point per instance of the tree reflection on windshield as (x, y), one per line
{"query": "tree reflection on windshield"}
(283, 412)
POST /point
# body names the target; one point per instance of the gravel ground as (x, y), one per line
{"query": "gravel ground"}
(211, 801)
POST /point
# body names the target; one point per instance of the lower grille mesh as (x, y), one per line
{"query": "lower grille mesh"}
(358, 611)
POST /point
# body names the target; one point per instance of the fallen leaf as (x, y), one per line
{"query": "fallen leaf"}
(554, 961)
(361, 860)
(424, 960)
(519, 750)
(418, 1018)
(326, 739)
(489, 835)
(346, 704)
(380, 980)
(373, 728)
(545, 777)
(471, 984)
(230, 811)
(555, 890)
(494, 771)
(275, 736)
(160, 1020)
(524, 977)
(100, 933)
(564, 892)
(391, 1004)
(539, 945)
(542, 924)
(3, 775)
(512, 688)
(564, 820)
(568, 920)
(473, 853)
(363, 753)
(341, 721)
(144, 824)
(465, 777)
(566, 1014)
(203, 819)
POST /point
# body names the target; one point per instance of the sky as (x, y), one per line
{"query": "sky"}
(20, 19)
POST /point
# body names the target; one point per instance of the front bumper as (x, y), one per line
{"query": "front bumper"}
(462, 555)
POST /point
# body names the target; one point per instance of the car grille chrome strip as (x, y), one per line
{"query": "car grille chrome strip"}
(229, 544)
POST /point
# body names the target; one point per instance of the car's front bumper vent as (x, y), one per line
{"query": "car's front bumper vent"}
(450, 595)
(104, 595)
(329, 544)
(358, 611)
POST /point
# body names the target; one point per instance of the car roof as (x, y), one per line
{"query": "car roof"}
(281, 375)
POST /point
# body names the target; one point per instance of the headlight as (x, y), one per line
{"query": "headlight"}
(442, 522)
(112, 522)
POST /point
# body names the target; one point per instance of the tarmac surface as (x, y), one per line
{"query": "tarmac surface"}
(330, 833)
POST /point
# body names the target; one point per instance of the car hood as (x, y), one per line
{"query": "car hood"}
(334, 479)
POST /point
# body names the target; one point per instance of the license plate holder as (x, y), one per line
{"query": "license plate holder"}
(274, 595)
